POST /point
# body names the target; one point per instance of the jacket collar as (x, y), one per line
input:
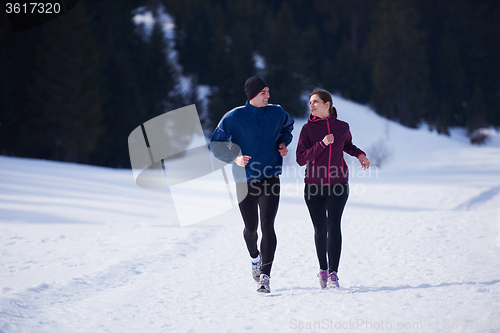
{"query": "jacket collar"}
(251, 107)
(314, 119)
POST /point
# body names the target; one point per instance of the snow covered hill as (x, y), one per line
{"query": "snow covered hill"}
(83, 249)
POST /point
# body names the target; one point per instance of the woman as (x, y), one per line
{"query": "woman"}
(321, 145)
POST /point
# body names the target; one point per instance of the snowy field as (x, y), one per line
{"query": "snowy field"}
(83, 249)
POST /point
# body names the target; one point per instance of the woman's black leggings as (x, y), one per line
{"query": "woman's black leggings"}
(263, 195)
(326, 204)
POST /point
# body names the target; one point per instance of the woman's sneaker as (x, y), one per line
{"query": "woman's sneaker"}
(333, 280)
(256, 268)
(323, 277)
(264, 284)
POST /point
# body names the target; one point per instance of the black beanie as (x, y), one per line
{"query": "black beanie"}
(253, 86)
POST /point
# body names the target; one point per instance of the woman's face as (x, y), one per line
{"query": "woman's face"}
(319, 108)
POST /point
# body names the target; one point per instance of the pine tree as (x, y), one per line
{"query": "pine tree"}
(8, 81)
(195, 21)
(495, 50)
(158, 79)
(121, 53)
(352, 73)
(230, 62)
(286, 66)
(64, 93)
(18, 51)
(398, 56)
(451, 84)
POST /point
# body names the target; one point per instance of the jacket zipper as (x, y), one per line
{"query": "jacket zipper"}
(329, 153)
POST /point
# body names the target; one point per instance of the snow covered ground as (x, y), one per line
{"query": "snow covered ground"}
(83, 249)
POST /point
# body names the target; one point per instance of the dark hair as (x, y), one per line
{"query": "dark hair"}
(325, 97)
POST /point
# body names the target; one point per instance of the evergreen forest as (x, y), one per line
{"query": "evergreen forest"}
(74, 88)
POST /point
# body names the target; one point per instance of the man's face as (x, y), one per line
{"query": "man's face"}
(262, 98)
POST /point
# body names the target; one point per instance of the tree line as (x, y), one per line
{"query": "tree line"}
(74, 88)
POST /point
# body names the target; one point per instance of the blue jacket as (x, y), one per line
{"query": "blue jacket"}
(256, 132)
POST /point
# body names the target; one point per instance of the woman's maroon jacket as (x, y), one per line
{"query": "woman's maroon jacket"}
(325, 165)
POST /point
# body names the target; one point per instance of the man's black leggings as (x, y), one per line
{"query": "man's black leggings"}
(263, 195)
(326, 205)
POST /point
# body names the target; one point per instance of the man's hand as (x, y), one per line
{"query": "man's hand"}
(242, 160)
(283, 149)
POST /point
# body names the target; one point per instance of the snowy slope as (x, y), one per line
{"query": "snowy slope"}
(85, 250)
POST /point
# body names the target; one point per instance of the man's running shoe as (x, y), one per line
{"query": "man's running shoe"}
(256, 268)
(264, 284)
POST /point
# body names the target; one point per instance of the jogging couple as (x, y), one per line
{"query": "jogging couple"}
(254, 138)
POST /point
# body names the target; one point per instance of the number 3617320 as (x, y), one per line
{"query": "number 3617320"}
(33, 8)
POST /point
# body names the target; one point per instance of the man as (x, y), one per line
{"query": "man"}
(254, 138)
